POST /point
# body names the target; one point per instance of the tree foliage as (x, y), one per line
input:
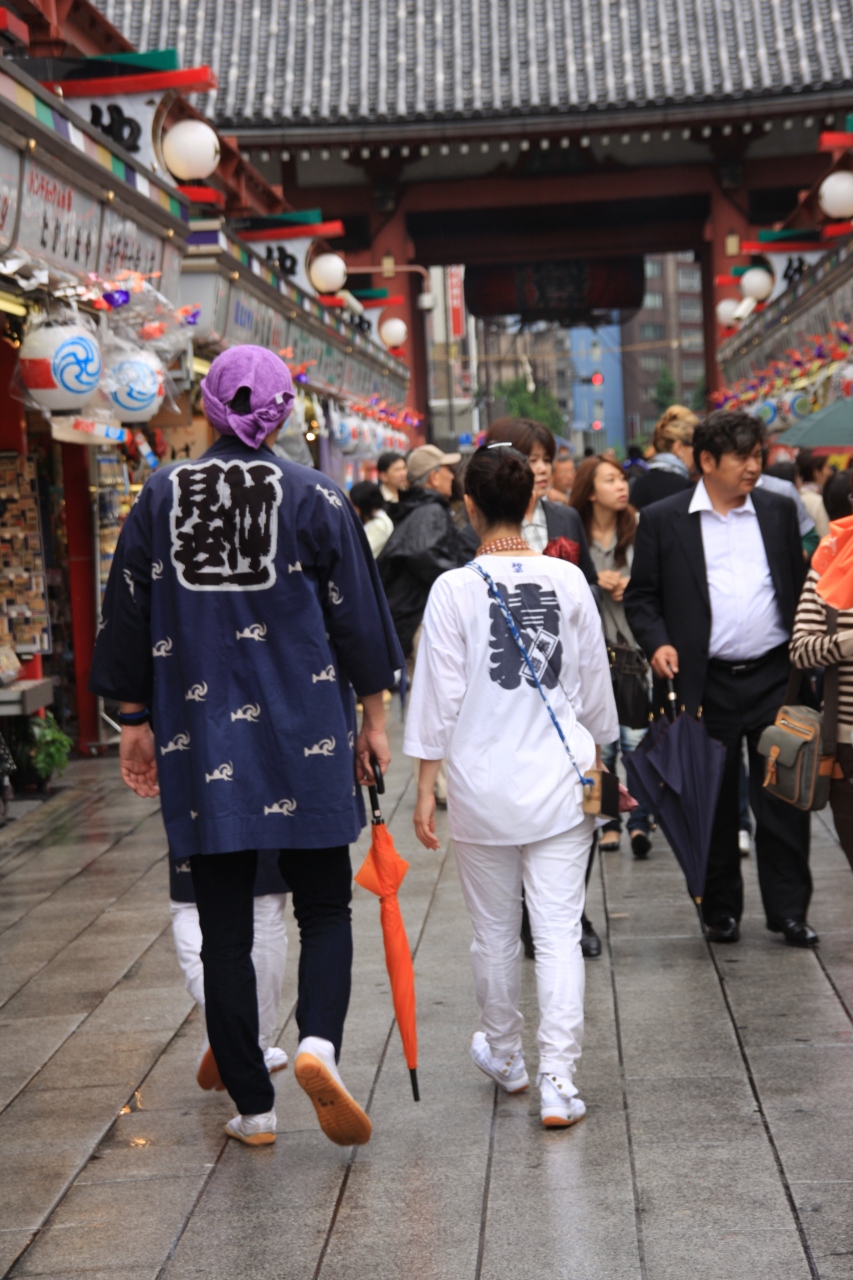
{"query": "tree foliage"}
(540, 405)
(665, 392)
(697, 402)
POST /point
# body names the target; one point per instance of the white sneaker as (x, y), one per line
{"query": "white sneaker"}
(340, 1116)
(275, 1058)
(559, 1104)
(743, 843)
(255, 1131)
(510, 1073)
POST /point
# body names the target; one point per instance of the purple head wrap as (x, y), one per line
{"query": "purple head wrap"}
(270, 393)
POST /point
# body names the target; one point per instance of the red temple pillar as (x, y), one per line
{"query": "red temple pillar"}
(389, 236)
(726, 227)
(81, 578)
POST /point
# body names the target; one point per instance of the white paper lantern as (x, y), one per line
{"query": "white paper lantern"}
(133, 385)
(835, 196)
(757, 283)
(726, 309)
(191, 150)
(328, 273)
(393, 332)
(60, 365)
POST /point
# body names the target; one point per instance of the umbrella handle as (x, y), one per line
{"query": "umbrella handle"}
(671, 699)
(377, 773)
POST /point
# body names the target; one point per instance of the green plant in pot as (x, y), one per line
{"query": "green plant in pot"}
(39, 748)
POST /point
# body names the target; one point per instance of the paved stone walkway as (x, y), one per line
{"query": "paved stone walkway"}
(719, 1083)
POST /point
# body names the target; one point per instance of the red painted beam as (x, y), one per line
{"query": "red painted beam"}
(204, 195)
(188, 80)
(834, 141)
(373, 304)
(325, 230)
(15, 29)
(779, 246)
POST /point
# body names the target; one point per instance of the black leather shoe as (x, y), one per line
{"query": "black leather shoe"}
(640, 844)
(799, 934)
(590, 941)
(726, 929)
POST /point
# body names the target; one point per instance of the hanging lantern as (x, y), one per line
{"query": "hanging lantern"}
(726, 309)
(191, 150)
(757, 283)
(835, 195)
(328, 273)
(393, 332)
(133, 384)
(60, 365)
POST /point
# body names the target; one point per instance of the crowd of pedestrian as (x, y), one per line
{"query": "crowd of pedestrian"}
(543, 613)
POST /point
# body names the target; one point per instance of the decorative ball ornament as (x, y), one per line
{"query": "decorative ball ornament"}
(757, 283)
(393, 332)
(726, 309)
(133, 385)
(191, 150)
(60, 366)
(835, 195)
(328, 273)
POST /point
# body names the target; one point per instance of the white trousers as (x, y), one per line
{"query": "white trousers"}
(269, 956)
(552, 872)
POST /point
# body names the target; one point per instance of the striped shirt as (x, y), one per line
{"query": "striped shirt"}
(811, 647)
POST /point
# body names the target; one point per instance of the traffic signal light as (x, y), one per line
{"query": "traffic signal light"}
(596, 426)
(597, 379)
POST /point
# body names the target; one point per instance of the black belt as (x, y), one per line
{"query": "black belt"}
(751, 664)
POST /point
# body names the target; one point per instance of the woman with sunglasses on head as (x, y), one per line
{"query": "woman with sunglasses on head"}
(499, 634)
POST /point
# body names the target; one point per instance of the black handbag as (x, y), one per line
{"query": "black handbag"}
(629, 672)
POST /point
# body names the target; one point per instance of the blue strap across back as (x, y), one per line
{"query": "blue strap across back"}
(516, 635)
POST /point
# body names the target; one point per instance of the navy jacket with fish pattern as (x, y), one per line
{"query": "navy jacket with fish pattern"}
(243, 606)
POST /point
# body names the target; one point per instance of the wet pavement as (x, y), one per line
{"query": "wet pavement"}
(718, 1143)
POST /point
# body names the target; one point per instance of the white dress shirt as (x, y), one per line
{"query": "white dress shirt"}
(745, 618)
(535, 530)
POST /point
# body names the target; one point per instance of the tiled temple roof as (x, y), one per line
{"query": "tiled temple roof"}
(371, 62)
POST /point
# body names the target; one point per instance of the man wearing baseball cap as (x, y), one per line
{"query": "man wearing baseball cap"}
(425, 541)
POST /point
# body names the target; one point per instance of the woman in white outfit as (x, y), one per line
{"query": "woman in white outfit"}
(514, 795)
(269, 955)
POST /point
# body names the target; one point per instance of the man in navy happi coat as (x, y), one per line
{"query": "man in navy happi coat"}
(242, 609)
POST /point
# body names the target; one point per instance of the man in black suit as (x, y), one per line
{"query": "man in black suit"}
(714, 586)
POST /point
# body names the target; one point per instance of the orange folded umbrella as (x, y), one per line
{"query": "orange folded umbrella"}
(382, 873)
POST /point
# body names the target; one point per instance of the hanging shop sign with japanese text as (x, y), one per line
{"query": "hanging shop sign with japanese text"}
(60, 223)
(125, 246)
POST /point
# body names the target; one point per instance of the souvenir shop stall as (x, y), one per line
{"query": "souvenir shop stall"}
(92, 346)
(786, 352)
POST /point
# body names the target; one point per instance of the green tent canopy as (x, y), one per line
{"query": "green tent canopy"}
(830, 426)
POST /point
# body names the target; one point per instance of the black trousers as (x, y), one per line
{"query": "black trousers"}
(734, 707)
(321, 883)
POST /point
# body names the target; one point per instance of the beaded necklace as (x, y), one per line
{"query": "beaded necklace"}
(503, 544)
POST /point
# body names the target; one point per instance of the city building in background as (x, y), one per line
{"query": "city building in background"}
(452, 357)
(598, 411)
(662, 345)
(538, 357)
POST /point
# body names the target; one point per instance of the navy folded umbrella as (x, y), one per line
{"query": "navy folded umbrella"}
(677, 771)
